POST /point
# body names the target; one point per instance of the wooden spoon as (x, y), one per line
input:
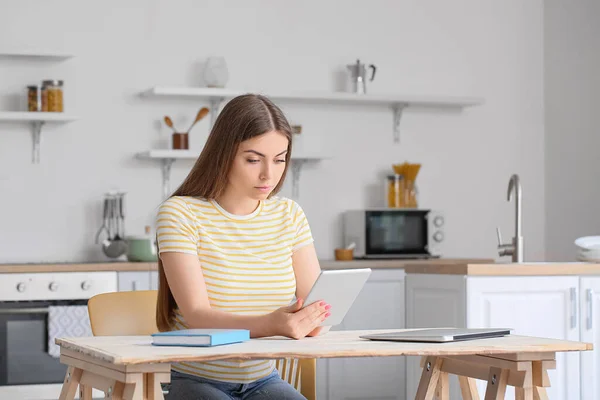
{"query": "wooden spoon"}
(201, 114)
(169, 123)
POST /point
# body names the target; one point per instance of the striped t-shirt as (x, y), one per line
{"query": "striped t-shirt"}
(246, 261)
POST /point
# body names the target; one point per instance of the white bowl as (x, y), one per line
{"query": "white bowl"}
(588, 243)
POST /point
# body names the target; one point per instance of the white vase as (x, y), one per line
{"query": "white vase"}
(216, 74)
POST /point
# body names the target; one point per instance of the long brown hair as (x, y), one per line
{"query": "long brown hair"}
(242, 118)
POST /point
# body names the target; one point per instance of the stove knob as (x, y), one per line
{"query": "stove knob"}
(438, 236)
(86, 285)
(53, 286)
(438, 221)
(21, 286)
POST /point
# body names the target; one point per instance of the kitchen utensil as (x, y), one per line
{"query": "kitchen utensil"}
(201, 114)
(169, 123)
(113, 247)
(105, 221)
(141, 248)
(358, 76)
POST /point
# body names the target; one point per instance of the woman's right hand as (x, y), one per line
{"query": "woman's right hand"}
(296, 322)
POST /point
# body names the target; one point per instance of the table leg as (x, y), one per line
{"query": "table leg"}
(496, 386)
(442, 391)
(468, 388)
(70, 383)
(429, 378)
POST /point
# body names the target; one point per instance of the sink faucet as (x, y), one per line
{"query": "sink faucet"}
(516, 248)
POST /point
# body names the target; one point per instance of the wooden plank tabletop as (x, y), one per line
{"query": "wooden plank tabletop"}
(129, 350)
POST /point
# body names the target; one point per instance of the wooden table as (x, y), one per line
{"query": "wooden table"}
(129, 367)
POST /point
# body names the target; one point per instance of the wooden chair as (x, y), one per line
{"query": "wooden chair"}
(134, 313)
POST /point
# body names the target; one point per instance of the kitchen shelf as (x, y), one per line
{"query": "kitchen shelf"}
(168, 157)
(49, 56)
(37, 120)
(397, 103)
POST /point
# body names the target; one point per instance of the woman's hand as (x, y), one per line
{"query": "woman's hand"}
(319, 330)
(296, 322)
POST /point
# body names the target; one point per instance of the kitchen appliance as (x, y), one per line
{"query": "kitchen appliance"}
(358, 76)
(27, 370)
(394, 232)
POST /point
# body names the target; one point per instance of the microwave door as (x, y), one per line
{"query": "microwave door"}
(396, 234)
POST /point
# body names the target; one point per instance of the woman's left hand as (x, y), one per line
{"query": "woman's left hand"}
(319, 330)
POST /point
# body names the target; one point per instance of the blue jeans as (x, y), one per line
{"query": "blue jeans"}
(190, 387)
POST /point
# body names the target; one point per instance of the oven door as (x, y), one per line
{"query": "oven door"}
(396, 234)
(24, 357)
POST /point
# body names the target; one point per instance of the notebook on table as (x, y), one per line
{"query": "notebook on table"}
(200, 337)
(440, 335)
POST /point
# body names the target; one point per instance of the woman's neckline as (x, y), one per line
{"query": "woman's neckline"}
(229, 215)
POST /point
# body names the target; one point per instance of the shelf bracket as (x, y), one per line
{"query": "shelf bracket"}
(37, 136)
(215, 104)
(166, 164)
(397, 108)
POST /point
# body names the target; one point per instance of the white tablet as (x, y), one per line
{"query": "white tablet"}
(339, 288)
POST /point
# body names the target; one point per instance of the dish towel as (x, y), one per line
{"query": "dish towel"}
(66, 321)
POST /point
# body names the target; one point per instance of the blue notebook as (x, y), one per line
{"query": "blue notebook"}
(200, 337)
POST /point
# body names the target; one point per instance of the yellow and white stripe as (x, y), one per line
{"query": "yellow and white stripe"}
(246, 262)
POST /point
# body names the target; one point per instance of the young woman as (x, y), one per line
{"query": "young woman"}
(233, 255)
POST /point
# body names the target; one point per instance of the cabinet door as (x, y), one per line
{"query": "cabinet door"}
(380, 305)
(134, 280)
(433, 301)
(153, 280)
(590, 333)
(534, 306)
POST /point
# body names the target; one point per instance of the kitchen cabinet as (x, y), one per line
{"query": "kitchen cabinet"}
(380, 305)
(134, 280)
(590, 332)
(560, 307)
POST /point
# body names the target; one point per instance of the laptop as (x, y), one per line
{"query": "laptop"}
(439, 335)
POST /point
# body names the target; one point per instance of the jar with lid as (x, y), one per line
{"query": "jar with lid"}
(52, 96)
(34, 98)
(395, 191)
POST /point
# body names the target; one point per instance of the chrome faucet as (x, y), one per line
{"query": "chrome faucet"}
(516, 248)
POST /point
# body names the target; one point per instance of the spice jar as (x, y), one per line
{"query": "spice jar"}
(34, 98)
(395, 191)
(52, 96)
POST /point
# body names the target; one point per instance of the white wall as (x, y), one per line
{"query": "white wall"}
(492, 49)
(572, 84)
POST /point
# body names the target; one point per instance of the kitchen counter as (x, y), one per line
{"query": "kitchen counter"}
(149, 266)
(505, 269)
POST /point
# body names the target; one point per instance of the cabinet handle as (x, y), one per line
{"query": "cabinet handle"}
(573, 308)
(134, 285)
(590, 313)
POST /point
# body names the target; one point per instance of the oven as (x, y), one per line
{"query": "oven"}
(27, 370)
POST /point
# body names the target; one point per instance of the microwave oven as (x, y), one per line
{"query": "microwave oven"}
(394, 232)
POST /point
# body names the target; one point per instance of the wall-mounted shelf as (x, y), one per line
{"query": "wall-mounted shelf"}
(397, 103)
(37, 120)
(37, 55)
(168, 157)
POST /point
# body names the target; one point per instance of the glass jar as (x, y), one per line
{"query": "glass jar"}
(34, 98)
(52, 96)
(410, 194)
(395, 191)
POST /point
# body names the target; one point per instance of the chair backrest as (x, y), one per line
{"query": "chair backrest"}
(123, 313)
(134, 313)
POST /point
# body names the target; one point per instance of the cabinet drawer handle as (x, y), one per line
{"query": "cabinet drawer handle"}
(590, 303)
(573, 308)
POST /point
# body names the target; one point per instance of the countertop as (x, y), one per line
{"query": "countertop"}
(506, 269)
(149, 266)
